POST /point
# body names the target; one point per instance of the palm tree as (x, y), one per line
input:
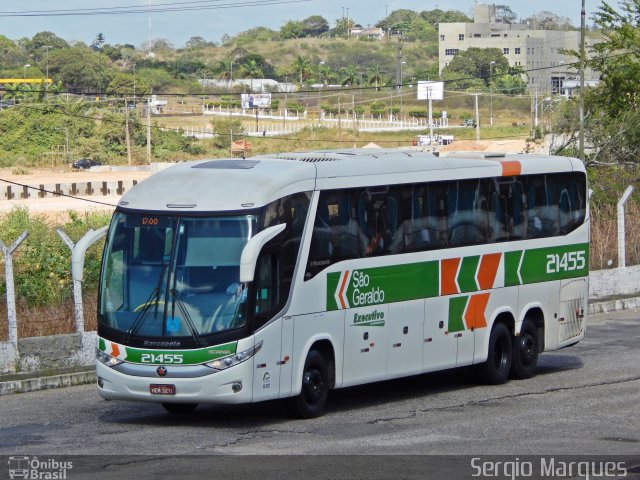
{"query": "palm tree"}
(301, 66)
(349, 75)
(224, 67)
(252, 69)
(375, 76)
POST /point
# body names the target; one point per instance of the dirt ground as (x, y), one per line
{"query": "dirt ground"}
(501, 146)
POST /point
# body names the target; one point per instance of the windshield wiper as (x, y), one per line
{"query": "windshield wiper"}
(192, 328)
(152, 300)
(137, 323)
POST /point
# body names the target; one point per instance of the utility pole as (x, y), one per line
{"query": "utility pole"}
(477, 120)
(582, 55)
(149, 130)
(399, 64)
(126, 130)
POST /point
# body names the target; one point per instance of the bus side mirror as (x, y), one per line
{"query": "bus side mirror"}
(251, 250)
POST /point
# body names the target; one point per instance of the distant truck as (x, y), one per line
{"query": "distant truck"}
(424, 140)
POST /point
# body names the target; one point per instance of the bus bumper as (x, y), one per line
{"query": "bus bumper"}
(230, 386)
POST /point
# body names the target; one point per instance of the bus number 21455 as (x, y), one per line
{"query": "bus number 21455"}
(566, 262)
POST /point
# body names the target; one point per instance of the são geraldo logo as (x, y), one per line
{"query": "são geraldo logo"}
(355, 290)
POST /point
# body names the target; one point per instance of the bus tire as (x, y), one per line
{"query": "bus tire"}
(525, 352)
(179, 408)
(498, 365)
(311, 400)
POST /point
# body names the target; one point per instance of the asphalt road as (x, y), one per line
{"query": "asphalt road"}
(584, 400)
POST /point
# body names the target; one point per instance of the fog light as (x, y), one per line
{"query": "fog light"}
(100, 382)
(236, 387)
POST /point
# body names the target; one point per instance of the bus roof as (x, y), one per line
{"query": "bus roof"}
(239, 184)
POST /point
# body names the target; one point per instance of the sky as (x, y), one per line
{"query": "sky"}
(228, 16)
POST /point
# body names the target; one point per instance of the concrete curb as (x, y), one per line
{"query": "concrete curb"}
(609, 306)
(44, 383)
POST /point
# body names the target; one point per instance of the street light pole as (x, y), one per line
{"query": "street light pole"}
(319, 89)
(491, 64)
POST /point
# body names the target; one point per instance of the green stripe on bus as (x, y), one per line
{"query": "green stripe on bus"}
(456, 312)
(547, 264)
(101, 345)
(180, 357)
(395, 283)
(467, 274)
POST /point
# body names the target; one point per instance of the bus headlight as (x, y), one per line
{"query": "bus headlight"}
(232, 360)
(107, 359)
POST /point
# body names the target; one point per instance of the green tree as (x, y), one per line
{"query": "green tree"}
(10, 54)
(301, 67)
(612, 109)
(314, 26)
(292, 29)
(36, 46)
(474, 64)
(376, 76)
(398, 20)
(98, 42)
(81, 69)
(349, 75)
(252, 70)
(124, 84)
(227, 129)
(196, 42)
(436, 16)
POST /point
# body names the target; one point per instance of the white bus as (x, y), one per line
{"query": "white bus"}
(286, 276)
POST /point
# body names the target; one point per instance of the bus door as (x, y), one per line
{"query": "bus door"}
(405, 330)
(440, 346)
(365, 340)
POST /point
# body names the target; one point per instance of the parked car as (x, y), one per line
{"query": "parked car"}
(85, 163)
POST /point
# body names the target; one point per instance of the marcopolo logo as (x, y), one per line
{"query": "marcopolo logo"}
(373, 319)
(35, 468)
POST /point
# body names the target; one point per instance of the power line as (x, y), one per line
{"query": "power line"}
(157, 9)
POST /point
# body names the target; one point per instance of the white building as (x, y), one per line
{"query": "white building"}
(538, 52)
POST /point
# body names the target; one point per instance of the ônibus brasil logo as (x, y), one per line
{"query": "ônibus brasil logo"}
(355, 290)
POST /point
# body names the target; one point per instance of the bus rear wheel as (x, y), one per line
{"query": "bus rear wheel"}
(498, 364)
(179, 408)
(525, 352)
(311, 400)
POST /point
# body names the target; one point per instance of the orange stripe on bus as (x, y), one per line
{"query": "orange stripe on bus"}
(449, 269)
(342, 289)
(474, 316)
(115, 351)
(488, 270)
(511, 167)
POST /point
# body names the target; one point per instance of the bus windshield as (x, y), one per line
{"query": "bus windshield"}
(173, 276)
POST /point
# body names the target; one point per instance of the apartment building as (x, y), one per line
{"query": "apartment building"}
(538, 52)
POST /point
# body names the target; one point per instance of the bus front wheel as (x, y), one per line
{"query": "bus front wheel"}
(311, 400)
(498, 364)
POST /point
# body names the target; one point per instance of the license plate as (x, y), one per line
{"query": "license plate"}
(162, 389)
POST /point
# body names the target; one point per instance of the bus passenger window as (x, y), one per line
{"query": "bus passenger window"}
(542, 207)
(467, 213)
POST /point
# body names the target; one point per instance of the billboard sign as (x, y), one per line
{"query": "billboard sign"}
(255, 100)
(428, 90)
